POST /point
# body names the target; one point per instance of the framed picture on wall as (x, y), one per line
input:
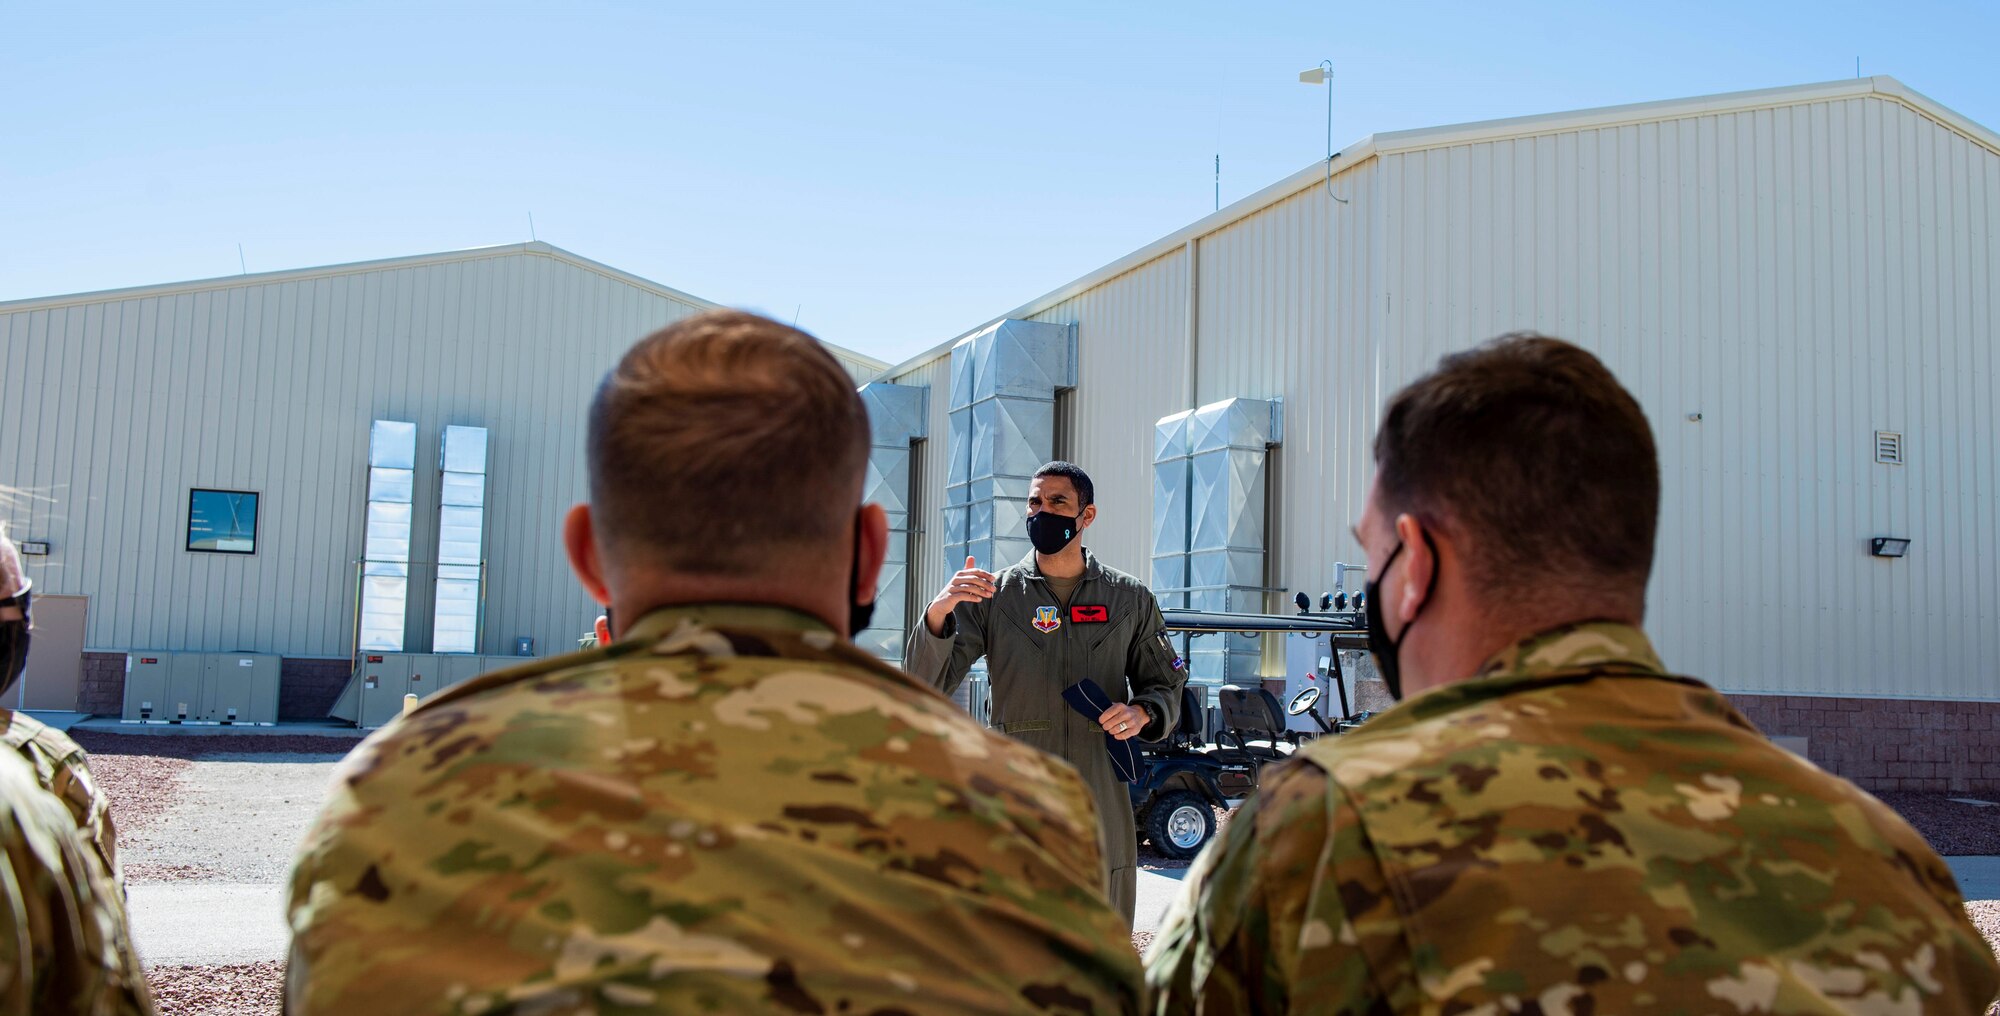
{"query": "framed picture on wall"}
(222, 521)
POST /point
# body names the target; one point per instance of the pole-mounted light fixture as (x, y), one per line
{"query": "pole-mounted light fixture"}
(1323, 75)
(1889, 546)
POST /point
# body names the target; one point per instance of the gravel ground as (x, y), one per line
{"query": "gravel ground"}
(218, 809)
(243, 989)
(1986, 914)
(237, 819)
(201, 746)
(1953, 829)
(141, 787)
(231, 809)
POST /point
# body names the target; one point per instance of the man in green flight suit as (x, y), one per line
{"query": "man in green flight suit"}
(729, 807)
(1045, 624)
(1551, 822)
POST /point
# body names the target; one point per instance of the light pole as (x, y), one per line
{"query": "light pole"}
(1323, 75)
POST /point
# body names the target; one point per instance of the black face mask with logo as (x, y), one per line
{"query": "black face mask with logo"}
(13, 643)
(1386, 650)
(1050, 533)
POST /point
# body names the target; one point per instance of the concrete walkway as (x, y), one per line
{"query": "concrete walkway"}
(1157, 892)
(208, 923)
(1978, 877)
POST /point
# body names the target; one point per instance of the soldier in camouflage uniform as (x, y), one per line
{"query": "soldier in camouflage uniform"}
(729, 808)
(60, 765)
(64, 945)
(1564, 827)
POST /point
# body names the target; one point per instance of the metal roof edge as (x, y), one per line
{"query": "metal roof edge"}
(1395, 142)
(1350, 157)
(1974, 131)
(1675, 109)
(533, 248)
(281, 275)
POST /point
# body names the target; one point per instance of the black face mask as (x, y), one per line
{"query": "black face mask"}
(859, 615)
(13, 644)
(1384, 648)
(1050, 532)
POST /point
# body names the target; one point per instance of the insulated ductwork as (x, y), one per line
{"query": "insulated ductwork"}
(461, 540)
(1002, 416)
(385, 554)
(1170, 509)
(1227, 447)
(896, 418)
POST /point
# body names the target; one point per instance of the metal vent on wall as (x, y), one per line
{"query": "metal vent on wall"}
(1001, 425)
(385, 555)
(896, 417)
(461, 540)
(1210, 471)
(1889, 447)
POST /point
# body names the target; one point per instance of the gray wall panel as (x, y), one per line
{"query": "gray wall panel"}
(1802, 267)
(113, 405)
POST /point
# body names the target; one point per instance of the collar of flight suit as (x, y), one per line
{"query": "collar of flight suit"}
(1091, 569)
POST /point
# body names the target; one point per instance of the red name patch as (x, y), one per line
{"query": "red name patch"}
(1089, 615)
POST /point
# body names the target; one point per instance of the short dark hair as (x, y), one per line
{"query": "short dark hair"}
(1086, 492)
(726, 409)
(1532, 449)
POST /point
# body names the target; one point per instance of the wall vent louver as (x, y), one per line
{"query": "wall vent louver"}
(1889, 447)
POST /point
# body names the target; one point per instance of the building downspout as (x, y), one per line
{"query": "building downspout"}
(1193, 330)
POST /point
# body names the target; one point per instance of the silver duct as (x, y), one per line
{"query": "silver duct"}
(896, 417)
(1170, 509)
(1002, 417)
(461, 540)
(1223, 473)
(385, 554)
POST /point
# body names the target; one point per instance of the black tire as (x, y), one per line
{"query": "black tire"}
(1180, 823)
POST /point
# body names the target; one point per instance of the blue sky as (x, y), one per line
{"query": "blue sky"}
(892, 175)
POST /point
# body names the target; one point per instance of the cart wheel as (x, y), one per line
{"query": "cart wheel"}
(1180, 823)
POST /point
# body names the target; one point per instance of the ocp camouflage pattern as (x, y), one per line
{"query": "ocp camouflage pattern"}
(65, 949)
(730, 809)
(62, 768)
(1574, 831)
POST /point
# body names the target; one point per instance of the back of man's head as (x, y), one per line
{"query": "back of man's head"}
(726, 445)
(1533, 457)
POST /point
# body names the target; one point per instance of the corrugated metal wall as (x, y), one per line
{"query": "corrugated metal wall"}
(929, 467)
(111, 409)
(1131, 369)
(1801, 275)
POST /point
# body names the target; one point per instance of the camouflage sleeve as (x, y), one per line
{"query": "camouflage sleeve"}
(1155, 670)
(72, 783)
(62, 768)
(1264, 918)
(64, 944)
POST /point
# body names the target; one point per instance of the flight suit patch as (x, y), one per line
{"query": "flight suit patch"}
(1087, 614)
(1047, 619)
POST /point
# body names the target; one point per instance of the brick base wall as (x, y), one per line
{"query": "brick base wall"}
(307, 686)
(101, 692)
(1890, 744)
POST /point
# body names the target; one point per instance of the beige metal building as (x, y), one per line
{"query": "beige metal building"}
(1798, 284)
(116, 406)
